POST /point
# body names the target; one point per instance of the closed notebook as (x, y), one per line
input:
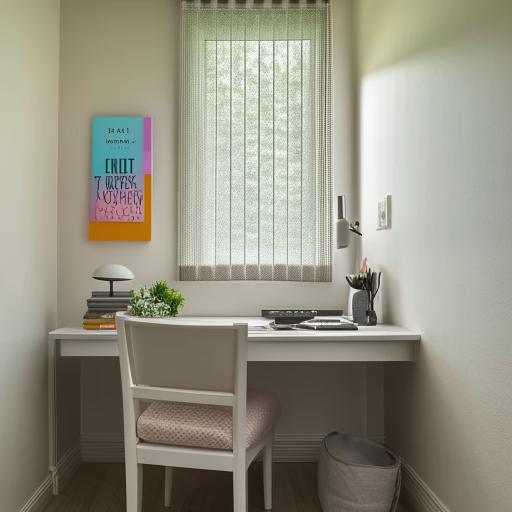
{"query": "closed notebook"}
(107, 294)
(108, 300)
(101, 316)
(98, 321)
(99, 327)
(107, 309)
(107, 305)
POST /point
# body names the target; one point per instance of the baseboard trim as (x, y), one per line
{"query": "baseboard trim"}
(102, 448)
(40, 497)
(297, 448)
(418, 496)
(287, 447)
(66, 467)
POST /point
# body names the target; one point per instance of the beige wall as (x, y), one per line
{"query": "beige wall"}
(436, 131)
(123, 58)
(119, 58)
(29, 57)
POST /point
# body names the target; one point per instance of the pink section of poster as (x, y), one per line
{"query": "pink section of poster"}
(148, 153)
(117, 198)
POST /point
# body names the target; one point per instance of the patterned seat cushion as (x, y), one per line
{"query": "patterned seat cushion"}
(205, 426)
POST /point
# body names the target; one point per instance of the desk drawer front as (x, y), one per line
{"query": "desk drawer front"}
(92, 348)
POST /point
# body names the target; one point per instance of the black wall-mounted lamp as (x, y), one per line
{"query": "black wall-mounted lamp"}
(343, 227)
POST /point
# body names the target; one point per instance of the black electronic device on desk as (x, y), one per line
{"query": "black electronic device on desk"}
(305, 318)
(296, 316)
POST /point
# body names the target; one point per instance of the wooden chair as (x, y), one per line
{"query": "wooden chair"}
(200, 415)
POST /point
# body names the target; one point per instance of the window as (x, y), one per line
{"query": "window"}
(255, 162)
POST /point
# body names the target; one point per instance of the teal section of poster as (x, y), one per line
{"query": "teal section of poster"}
(117, 188)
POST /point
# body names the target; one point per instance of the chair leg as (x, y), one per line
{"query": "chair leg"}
(133, 487)
(240, 491)
(168, 486)
(267, 475)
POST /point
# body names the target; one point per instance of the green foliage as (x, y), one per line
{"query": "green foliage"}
(159, 300)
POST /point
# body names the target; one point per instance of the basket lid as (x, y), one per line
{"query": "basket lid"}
(356, 450)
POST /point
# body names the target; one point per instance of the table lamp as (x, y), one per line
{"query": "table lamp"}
(112, 272)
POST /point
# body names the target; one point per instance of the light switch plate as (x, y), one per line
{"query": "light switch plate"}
(384, 212)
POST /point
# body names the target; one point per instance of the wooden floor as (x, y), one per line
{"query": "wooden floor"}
(100, 488)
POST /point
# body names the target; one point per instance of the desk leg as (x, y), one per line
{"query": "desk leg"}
(52, 412)
(365, 400)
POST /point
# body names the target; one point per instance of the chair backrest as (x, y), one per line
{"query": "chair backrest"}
(181, 361)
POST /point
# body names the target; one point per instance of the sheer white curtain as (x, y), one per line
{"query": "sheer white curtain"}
(255, 154)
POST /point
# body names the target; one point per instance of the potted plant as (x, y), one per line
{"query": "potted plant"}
(157, 301)
(368, 281)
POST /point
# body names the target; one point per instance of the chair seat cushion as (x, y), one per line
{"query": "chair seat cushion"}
(205, 426)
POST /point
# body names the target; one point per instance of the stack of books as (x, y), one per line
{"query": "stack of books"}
(102, 308)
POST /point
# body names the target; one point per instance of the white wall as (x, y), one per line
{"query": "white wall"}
(122, 58)
(436, 131)
(29, 57)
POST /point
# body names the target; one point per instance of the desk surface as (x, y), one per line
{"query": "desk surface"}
(379, 343)
(257, 332)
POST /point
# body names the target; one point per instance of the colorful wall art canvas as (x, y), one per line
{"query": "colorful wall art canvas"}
(121, 166)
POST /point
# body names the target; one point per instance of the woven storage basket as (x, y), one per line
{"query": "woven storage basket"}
(357, 475)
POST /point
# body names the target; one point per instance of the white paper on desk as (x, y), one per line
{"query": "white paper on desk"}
(253, 323)
(259, 325)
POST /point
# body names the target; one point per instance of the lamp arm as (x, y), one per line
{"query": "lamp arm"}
(354, 227)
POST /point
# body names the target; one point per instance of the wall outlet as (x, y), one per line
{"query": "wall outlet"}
(384, 212)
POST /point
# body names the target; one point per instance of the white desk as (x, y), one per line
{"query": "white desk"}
(383, 343)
